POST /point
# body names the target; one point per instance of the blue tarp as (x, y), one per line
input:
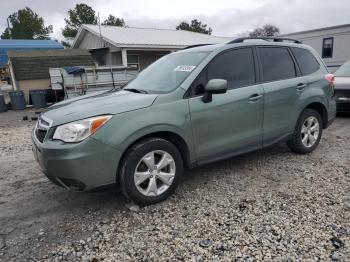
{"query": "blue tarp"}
(74, 70)
(6, 45)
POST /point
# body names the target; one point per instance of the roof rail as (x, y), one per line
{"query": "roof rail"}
(272, 39)
(192, 46)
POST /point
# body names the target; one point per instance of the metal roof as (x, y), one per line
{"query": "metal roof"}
(29, 64)
(346, 26)
(148, 37)
(29, 44)
(48, 53)
(6, 45)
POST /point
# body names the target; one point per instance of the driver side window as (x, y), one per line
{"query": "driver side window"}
(198, 85)
(236, 66)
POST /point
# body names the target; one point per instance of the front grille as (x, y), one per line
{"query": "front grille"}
(40, 134)
(41, 128)
(43, 122)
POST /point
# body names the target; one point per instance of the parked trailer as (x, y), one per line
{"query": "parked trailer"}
(91, 79)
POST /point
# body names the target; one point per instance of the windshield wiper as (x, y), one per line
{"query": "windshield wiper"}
(135, 90)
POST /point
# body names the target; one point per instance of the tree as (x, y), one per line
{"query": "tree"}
(25, 24)
(195, 26)
(115, 21)
(265, 31)
(81, 14)
(66, 44)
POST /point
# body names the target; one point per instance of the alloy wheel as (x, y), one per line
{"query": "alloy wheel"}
(154, 173)
(310, 131)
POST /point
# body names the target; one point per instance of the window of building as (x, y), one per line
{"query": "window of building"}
(306, 61)
(277, 64)
(236, 66)
(327, 47)
(156, 57)
(133, 60)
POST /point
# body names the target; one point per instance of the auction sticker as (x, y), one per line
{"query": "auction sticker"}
(184, 68)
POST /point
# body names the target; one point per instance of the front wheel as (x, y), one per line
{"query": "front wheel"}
(308, 132)
(150, 171)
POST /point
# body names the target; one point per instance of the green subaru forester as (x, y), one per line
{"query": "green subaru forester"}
(189, 108)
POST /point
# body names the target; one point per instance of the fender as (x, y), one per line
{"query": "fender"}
(306, 103)
(133, 125)
(149, 130)
(313, 94)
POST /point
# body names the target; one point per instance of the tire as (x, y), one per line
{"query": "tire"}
(303, 129)
(145, 181)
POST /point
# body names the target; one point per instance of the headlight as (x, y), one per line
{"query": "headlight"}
(79, 130)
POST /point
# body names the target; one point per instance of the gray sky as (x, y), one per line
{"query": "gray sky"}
(226, 17)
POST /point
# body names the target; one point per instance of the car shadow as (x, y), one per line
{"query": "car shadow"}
(250, 162)
(343, 115)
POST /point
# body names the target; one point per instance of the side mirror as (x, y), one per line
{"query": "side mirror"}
(214, 86)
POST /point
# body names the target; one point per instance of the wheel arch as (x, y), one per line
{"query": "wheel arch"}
(321, 109)
(170, 136)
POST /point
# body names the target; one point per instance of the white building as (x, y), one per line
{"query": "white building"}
(332, 43)
(112, 45)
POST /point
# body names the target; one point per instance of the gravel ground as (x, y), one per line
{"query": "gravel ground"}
(272, 205)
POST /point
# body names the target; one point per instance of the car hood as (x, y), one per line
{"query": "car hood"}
(100, 103)
(342, 82)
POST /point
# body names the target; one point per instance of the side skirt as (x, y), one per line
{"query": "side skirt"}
(227, 155)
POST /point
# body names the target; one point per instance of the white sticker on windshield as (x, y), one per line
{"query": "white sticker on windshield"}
(184, 68)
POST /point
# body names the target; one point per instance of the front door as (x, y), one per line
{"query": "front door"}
(232, 122)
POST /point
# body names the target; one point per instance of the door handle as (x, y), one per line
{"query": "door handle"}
(301, 86)
(255, 97)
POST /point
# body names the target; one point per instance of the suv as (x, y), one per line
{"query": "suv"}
(342, 87)
(189, 108)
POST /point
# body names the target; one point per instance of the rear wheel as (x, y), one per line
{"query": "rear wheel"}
(307, 133)
(150, 171)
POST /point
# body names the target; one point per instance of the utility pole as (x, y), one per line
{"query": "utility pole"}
(8, 27)
(99, 27)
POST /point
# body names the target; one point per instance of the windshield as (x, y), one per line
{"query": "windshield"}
(167, 73)
(344, 70)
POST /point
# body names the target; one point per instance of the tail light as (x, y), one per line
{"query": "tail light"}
(330, 79)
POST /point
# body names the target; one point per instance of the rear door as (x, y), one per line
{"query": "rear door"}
(232, 122)
(282, 84)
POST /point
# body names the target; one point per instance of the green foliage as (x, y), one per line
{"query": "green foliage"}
(195, 26)
(81, 14)
(115, 21)
(265, 31)
(25, 24)
(65, 44)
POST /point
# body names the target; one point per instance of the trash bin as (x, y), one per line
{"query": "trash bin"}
(3, 106)
(17, 100)
(38, 98)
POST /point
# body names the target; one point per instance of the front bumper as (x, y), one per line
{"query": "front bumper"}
(78, 167)
(342, 97)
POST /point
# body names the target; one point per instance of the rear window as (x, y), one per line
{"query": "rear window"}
(306, 61)
(277, 64)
